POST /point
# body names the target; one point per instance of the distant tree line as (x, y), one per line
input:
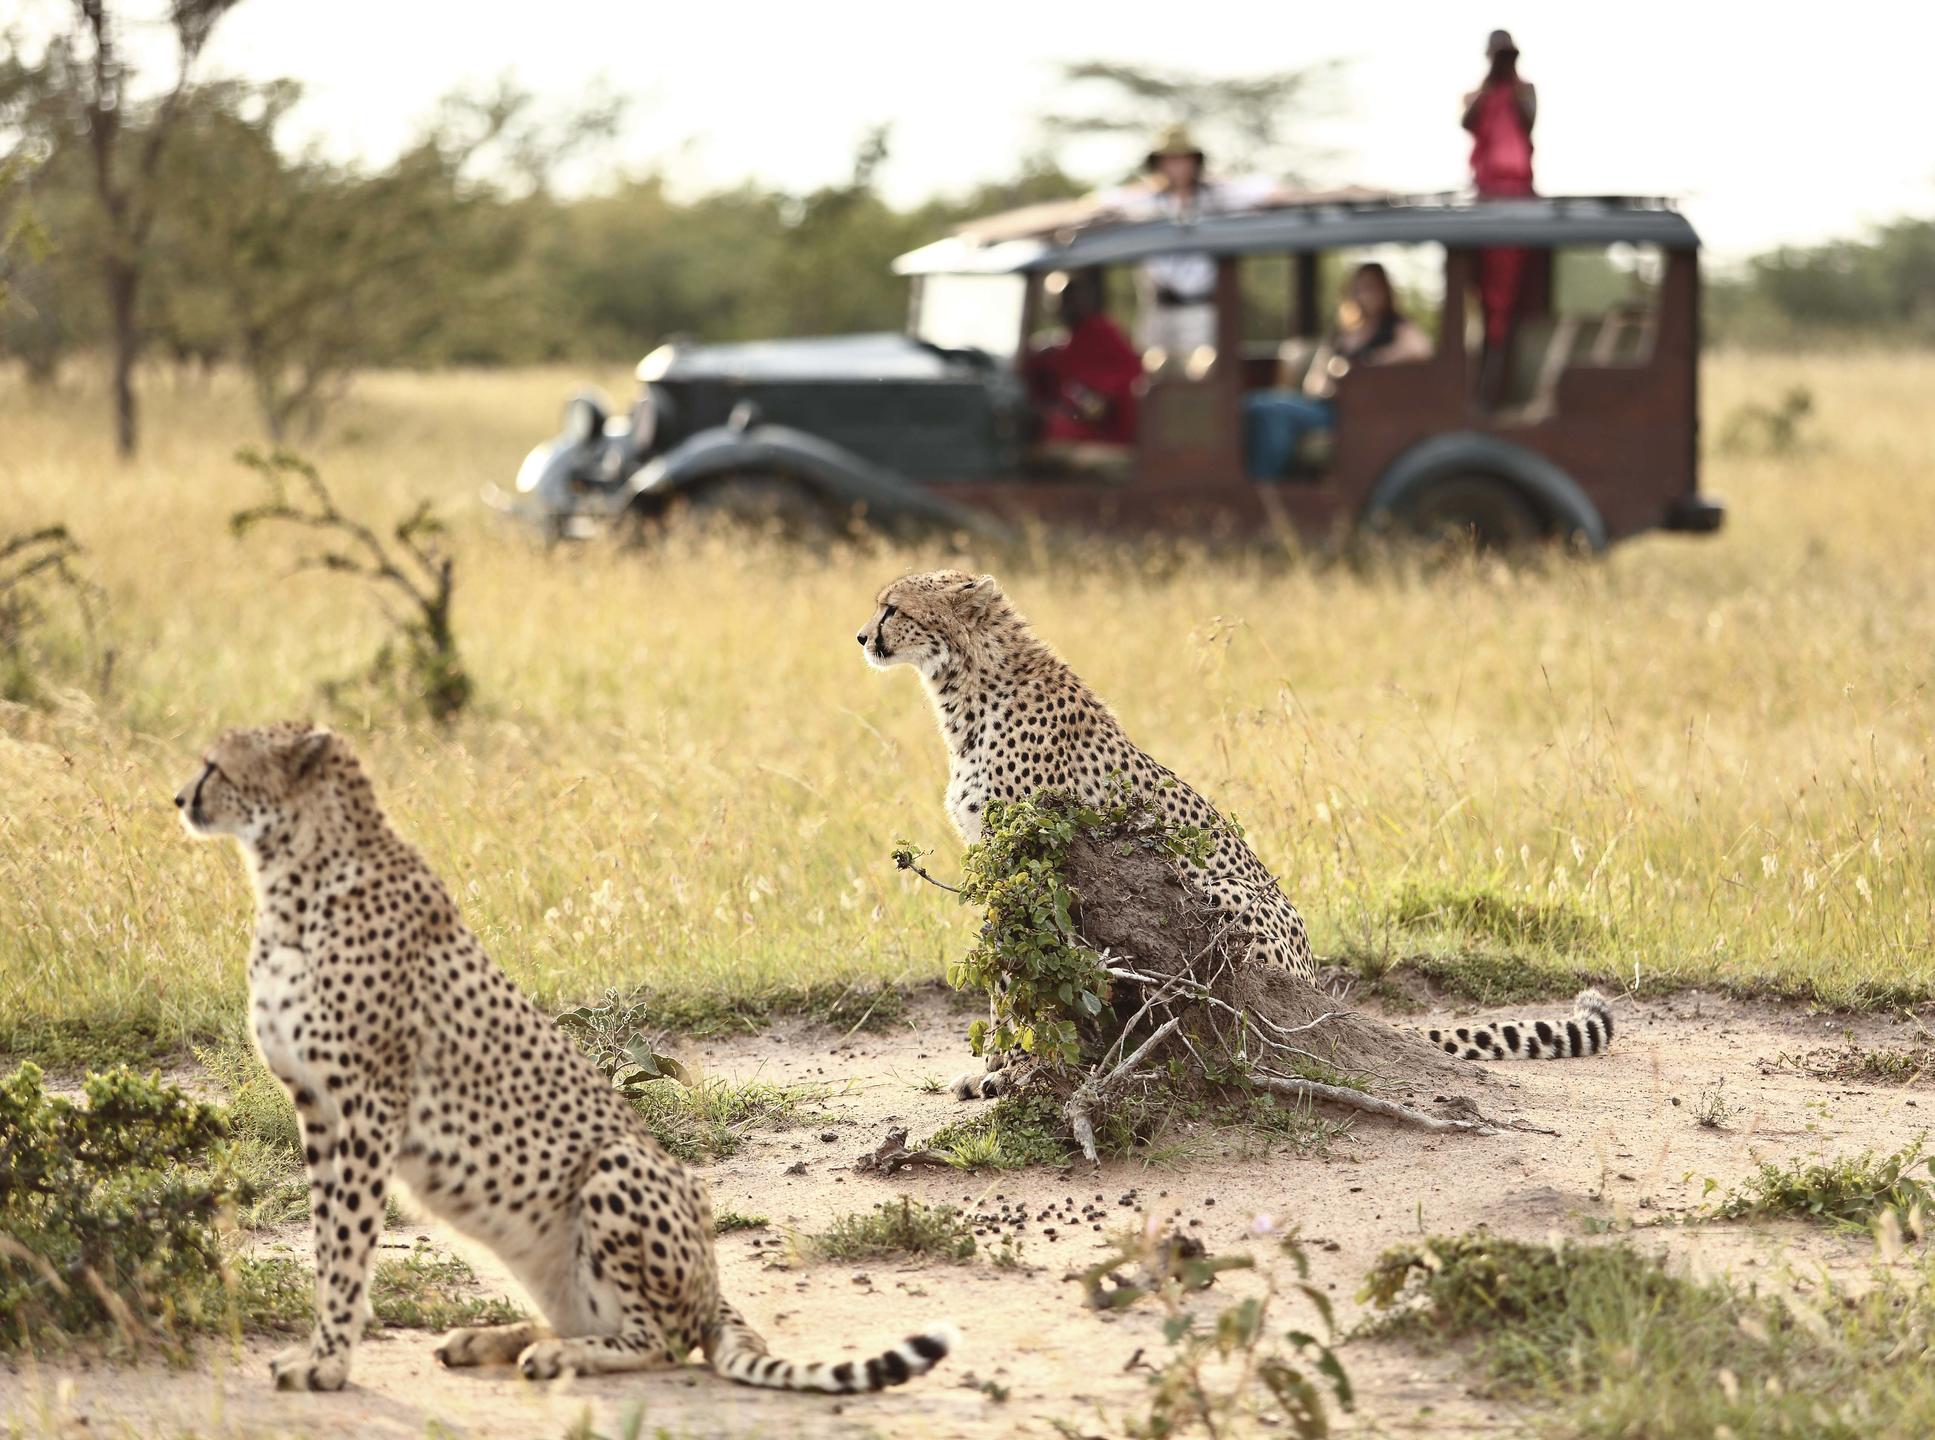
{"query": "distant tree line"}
(1877, 288)
(187, 228)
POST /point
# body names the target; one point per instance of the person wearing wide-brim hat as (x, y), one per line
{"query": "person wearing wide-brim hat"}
(1178, 289)
(1174, 143)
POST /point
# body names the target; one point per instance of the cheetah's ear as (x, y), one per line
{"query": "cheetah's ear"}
(978, 597)
(306, 754)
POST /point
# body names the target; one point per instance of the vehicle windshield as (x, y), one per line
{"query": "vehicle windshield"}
(970, 312)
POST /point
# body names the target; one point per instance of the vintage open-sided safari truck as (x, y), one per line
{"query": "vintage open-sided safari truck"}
(1582, 425)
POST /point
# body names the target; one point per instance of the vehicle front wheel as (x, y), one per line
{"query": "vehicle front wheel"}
(1478, 510)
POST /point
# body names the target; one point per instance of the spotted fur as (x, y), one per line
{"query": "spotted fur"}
(1017, 719)
(410, 1056)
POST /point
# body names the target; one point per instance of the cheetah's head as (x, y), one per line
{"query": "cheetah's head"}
(252, 780)
(924, 620)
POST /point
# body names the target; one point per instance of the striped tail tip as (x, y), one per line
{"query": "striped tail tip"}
(912, 1357)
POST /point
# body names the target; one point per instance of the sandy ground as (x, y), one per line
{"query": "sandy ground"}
(1628, 1150)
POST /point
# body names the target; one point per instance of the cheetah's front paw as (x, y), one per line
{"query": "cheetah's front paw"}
(484, 1345)
(300, 1368)
(544, 1360)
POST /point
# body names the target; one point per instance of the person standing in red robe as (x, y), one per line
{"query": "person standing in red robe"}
(1084, 385)
(1500, 114)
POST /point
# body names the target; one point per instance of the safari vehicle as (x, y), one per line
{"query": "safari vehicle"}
(1582, 425)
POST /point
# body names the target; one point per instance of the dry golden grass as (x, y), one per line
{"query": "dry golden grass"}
(1710, 755)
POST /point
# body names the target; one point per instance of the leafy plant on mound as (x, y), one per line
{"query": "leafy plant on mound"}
(109, 1209)
(1125, 989)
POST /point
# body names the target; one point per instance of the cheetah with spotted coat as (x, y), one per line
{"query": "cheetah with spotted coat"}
(410, 1056)
(1017, 719)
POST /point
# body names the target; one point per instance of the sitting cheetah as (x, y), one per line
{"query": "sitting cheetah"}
(410, 1055)
(1016, 720)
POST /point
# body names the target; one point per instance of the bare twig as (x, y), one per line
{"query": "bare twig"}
(1093, 1089)
(1358, 1100)
(417, 569)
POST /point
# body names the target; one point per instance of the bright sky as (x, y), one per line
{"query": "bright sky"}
(1772, 123)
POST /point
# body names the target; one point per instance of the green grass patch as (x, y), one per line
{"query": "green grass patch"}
(711, 1117)
(1625, 1348)
(1487, 915)
(902, 1229)
(724, 1222)
(429, 1291)
(1850, 1192)
(72, 1044)
(1015, 1132)
(424, 1290)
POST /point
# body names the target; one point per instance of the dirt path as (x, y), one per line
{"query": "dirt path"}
(1628, 1148)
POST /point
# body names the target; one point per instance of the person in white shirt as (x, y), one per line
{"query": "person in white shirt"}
(1178, 290)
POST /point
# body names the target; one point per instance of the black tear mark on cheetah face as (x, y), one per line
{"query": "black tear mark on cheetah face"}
(251, 781)
(927, 620)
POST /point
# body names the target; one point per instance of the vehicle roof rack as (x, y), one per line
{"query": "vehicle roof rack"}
(1323, 221)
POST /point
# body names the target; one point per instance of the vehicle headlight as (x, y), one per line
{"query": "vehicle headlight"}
(532, 470)
(644, 420)
(584, 417)
(655, 365)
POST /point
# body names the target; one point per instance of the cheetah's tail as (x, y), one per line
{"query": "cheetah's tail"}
(1588, 1030)
(738, 1353)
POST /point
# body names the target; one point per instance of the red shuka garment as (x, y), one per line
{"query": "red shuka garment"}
(1501, 165)
(1501, 145)
(1097, 357)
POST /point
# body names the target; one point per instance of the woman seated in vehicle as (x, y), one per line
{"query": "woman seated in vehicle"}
(1083, 384)
(1371, 330)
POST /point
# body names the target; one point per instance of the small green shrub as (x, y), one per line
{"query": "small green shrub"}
(892, 1230)
(1238, 1372)
(109, 1209)
(1851, 1192)
(1778, 429)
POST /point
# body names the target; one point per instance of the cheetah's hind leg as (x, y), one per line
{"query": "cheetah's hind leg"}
(488, 1344)
(608, 1320)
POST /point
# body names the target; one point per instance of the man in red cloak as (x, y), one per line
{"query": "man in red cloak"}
(1083, 386)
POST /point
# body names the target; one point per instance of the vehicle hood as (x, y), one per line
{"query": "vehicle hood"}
(885, 356)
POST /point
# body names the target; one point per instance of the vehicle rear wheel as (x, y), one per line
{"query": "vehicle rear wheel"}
(1478, 510)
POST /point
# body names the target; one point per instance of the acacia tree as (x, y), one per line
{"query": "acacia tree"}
(1243, 121)
(84, 86)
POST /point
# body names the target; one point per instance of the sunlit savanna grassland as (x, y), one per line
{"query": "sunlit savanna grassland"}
(679, 776)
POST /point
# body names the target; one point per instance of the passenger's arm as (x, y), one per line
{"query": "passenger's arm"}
(1528, 104)
(1470, 120)
(1409, 344)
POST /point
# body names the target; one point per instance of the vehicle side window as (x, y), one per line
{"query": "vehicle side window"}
(1608, 299)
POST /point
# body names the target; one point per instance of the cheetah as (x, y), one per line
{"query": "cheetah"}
(1017, 719)
(411, 1057)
